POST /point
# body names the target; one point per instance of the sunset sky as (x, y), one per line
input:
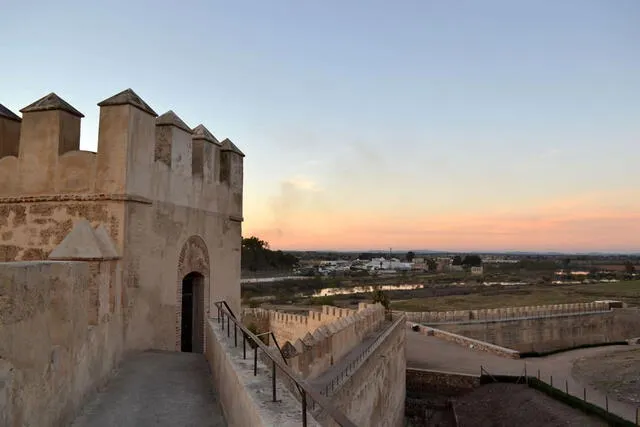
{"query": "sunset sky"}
(424, 124)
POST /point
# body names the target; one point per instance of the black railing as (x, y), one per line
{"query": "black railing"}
(306, 392)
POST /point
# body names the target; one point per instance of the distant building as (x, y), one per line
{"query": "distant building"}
(477, 271)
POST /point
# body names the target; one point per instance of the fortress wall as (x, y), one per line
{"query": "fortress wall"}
(285, 326)
(153, 273)
(145, 184)
(331, 313)
(543, 334)
(244, 401)
(41, 156)
(60, 337)
(422, 382)
(290, 327)
(41, 164)
(374, 395)
(30, 231)
(433, 317)
(316, 352)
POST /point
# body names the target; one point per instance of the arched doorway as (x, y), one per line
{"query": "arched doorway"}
(192, 313)
(194, 276)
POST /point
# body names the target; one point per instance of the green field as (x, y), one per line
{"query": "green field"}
(503, 296)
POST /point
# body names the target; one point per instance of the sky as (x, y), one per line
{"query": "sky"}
(427, 124)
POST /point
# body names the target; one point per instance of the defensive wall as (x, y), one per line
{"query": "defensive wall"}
(325, 346)
(245, 397)
(94, 247)
(170, 198)
(434, 317)
(421, 381)
(61, 333)
(374, 393)
(369, 387)
(534, 329)
(290, 327)
(557, 332)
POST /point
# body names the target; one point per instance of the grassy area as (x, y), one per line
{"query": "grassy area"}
(503, 296)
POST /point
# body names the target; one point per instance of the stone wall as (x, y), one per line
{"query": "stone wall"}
(423, 381)
(61, 334)
(290, 327)
(245, 398)
(169, 196)
(316, 352)
(467, 342)
(436, 317)
(374, 395)
(558, 332)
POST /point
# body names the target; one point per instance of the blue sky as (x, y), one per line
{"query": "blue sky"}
(419, 124)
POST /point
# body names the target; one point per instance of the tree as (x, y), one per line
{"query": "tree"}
(472, 261)
(379, 297)
(257, 256)
(432, 265)
(457, 260)
(410, 256)
(629, 267)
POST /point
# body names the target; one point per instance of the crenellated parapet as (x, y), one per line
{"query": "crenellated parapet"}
(319, 349)
(140, 155)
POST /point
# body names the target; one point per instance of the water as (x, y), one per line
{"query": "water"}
(364, 289)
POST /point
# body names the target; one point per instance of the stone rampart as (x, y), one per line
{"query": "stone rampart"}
(471, 343)
(245, 398)
(290, 327)
(374, 394)
(61, 334)
(558, 332)
(436, 317)
(48, 183)
(318, 350)
(424, 381)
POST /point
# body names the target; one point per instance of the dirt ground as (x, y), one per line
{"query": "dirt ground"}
(616, 374)
(517, 405)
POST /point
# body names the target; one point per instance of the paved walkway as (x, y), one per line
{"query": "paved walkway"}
(428, 352)
(156, 389)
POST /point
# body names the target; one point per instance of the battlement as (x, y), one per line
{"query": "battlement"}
(319, 349)
(140, 155)
(504, 313)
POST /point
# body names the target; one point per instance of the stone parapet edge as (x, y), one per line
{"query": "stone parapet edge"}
(467, 342)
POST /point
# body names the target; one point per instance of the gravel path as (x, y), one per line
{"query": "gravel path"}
(156, 389)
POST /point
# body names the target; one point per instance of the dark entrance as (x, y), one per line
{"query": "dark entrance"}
(192, 326)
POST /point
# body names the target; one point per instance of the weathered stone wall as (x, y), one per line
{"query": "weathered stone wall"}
(317, 351)
(156, 184)
(30, 229)
(60, 335)
(374, 395)
(290, 327)
(467, 342)
(436, 317)
(170, 199)
(425, 382)
(244, 398)
(553, 333)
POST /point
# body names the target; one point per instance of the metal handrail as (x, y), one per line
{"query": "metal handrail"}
(303, 386)
(275, 341)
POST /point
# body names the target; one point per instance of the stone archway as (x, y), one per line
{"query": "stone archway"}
(193, 266)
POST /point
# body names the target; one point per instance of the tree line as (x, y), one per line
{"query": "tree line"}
(257, 256)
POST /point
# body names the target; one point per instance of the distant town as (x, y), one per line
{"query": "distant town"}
(557, 267)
